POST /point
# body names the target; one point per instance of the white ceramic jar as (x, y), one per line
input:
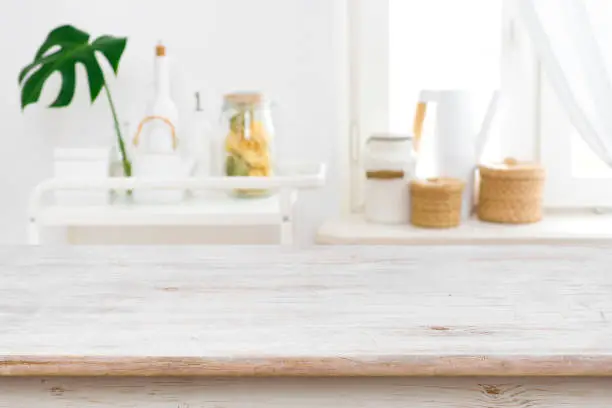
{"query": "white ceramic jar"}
(389, 165)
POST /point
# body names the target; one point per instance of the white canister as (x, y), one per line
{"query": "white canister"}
(389, 164)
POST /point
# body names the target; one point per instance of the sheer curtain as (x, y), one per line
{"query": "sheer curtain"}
(573, 39)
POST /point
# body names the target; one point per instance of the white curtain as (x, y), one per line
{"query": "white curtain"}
(573, 39)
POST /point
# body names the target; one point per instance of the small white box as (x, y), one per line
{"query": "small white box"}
(82, 163)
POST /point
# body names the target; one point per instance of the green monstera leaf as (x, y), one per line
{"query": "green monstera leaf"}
(64, 48)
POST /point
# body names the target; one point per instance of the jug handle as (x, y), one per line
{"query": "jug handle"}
(419, 118)
(483, 135)
(167, 121)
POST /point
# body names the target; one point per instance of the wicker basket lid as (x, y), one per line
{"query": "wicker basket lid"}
(512, 169)
(438, 184)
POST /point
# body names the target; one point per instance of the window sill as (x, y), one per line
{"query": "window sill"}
(564, 228)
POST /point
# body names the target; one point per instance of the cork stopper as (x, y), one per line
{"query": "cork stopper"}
(160, 50)
(244, 98)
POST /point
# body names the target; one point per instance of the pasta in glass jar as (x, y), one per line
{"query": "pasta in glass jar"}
(248, 138)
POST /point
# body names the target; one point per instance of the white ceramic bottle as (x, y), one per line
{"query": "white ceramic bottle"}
(201, 139)
(156, 141)
(156, 138)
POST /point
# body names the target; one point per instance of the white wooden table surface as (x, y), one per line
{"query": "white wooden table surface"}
(232, 327)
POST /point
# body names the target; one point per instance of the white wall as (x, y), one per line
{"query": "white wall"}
(293, 50)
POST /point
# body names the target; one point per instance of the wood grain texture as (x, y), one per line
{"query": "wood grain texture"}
(513, 392)
(326, 311)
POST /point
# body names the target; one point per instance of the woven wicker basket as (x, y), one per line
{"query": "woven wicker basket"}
(436, 203)
(511, 192)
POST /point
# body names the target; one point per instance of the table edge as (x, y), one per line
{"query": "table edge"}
(371, 366)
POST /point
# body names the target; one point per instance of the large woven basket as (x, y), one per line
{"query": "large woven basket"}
(511, 192)
(436, 203)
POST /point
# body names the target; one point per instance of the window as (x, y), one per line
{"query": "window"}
(430, 49)
(400, 47)
(577, 177)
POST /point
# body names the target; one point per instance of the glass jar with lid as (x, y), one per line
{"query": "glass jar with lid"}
(389, 165)
(248, 138)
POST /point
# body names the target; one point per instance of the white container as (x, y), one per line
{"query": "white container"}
(82, 163)
(387, 201)
(461, 128)
(389, 164)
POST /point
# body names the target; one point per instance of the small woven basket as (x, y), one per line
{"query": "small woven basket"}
(511, 192)
(436, 203)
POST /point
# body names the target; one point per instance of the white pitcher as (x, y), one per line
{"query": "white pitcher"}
(460, 133)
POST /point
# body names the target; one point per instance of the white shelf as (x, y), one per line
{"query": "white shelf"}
(554, 229)
(212, 209)
(212, 205)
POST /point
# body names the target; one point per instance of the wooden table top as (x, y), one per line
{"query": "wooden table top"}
(325, 311)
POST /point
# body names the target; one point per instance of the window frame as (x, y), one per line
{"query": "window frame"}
(369, 83)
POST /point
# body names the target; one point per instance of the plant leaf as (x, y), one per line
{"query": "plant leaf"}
(28, 68)
(95, 75)
(73, 47)
(32, 88)
(112, 48)
(69, 86)
(65, 36)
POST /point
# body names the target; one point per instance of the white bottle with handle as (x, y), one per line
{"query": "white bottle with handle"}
(156, 142)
